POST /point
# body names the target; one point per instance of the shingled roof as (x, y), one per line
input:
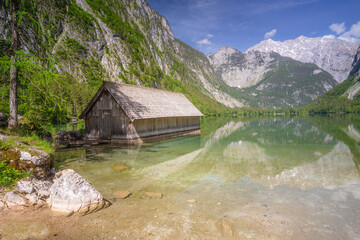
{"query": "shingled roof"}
(142, 103)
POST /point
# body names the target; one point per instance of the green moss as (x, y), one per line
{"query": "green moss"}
(74, 46)
(9, 176)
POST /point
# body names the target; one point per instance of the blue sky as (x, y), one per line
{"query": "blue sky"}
(209, 24)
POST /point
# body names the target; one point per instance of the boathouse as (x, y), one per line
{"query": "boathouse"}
(127, 112)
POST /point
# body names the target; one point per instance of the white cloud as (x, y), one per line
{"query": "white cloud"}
(270, 34)
(338, 27)
(205, 41)
(331, 36)
(353, 35)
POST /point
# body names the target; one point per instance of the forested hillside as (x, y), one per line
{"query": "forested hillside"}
(343, 98)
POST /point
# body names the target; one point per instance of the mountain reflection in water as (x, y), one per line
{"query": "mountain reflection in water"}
(279, 177)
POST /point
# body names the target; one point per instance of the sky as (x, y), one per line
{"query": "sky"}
(207, 25)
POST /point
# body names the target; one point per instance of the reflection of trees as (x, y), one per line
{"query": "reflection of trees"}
(275, 151)
(343, 128)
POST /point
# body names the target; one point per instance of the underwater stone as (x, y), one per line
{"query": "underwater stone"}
(154, 195)
(122, 194)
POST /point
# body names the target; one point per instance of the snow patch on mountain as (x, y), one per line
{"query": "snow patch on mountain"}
(333, 55)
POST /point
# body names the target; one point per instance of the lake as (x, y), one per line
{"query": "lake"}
(242, 178)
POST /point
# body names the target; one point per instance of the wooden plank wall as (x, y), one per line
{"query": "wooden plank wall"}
(159, 126)
(119, 124)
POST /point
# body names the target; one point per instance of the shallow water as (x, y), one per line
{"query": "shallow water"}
(275, 178)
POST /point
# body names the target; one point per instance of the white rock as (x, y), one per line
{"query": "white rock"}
(25, 187)
(72, 193)
(32, 198)
(14, 199)
(2, 205)
(42, 187)
(26, 156)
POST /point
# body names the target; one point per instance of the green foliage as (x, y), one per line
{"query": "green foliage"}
(334, 101)
(83, 19)
(9, 176)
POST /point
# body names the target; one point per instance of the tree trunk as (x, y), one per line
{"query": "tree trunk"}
(13, 69)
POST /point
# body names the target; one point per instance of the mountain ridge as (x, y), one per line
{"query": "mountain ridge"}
(269, 80)
(333, 55)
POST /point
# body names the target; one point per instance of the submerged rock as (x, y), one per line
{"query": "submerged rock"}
(154, 195)
(119, 167)
(225, 228)
(122, 194)
(72, 193)
(191, 201)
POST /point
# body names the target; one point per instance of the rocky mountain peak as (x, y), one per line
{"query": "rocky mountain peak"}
(333, 55)
(223, 56)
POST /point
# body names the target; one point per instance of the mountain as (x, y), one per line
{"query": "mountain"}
(269, 80)
(345, 97)
(333, 55)
(87, 41)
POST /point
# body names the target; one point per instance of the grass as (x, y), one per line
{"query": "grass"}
(21, 140)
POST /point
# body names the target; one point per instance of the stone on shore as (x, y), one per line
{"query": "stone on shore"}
(25, 186)
(65, 136)
(14, 200)
(34, 161)
(71, 193)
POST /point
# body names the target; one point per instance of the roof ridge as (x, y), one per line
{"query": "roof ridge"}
(139, 86)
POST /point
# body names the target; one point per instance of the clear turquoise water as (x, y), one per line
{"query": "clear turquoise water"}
(273, 178)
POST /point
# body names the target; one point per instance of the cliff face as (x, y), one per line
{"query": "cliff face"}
(121, 41)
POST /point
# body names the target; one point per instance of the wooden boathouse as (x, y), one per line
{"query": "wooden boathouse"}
(127, 112)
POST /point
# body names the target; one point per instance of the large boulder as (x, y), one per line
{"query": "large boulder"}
(34, 161)
(71, 193)
(66, 136)
(67, 192)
